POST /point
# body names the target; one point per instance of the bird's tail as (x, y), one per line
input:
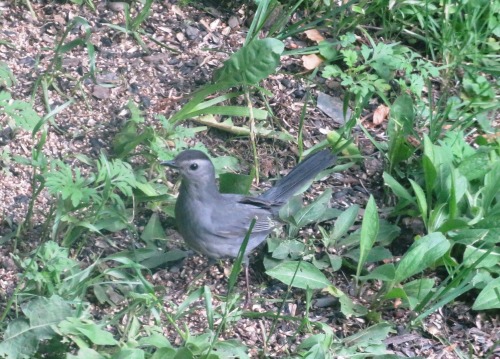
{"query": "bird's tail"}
(305, 171)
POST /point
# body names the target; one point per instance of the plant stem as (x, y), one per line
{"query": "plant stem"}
(252, 136)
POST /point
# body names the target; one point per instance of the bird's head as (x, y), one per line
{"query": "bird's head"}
(194, 166)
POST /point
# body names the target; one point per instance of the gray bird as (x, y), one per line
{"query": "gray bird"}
(215, 224)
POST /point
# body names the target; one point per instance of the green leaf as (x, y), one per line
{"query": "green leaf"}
(335, 261)
(347, 306)
(376, 254)
(421, 201)
(344, 222)
(299, 274)
(156, 339)
(7, 78)
(235, 183)
(19, 340)
(475, 166)
(491, 187)
(314, 211)
(430, 175)
(331, 71)
(422, 254)
(399, 127)
(252, 63)
(385, 272)
(367, 340)
(85, 353)
(416, 291)
(225, 164)
(437, 217)
(289, 248)
(70, 185)
(90, 330)
(291, 208)
(127, 353)
(489, 297)
(472, 254)
(328, 50)
(129, 138)
(350, 57)
(369, 231)
(22, 336)
(397, 188)
(230, 348)
(153, 230)
(21, 112)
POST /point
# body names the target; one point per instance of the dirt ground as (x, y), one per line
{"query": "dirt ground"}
(197, 41)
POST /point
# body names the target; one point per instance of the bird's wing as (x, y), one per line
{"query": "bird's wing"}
(233, 219)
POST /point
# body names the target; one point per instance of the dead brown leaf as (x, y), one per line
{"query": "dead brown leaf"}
(312, 61)
(314, 35)
(380, 115)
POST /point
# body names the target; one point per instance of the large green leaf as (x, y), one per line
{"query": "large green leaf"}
(313, 212)
(399, 128)
(472, 254)
(92, 331)
(369, 231)
(299, 274)
(252, 63)
(22, 336)
(423, 253)
(153, 230)
(489, 298)
(397, 188)
(421, 200)
(235, 183)
(344, 222)
(384, 272)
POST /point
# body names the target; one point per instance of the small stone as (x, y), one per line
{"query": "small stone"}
(180, 37)
(108, 78)
(156, 58)
(233, 22)
(214, 24)
(116, 6)
(192, 32)
(134, 88)
(333, 107)
(101, 92)
(106, 41)
(145, 101)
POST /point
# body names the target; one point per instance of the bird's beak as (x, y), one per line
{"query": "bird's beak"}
(169, 164)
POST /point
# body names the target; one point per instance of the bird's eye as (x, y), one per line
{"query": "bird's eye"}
(194, 166)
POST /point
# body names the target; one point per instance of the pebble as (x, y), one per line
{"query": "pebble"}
(101, 92)
(116, 6)
(156, 58)
(180, 37)
(233, 22)
(192, 32)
